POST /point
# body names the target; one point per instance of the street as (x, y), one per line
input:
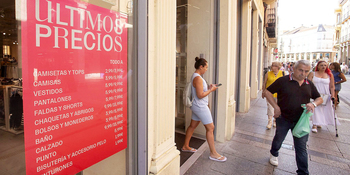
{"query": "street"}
(248, 150)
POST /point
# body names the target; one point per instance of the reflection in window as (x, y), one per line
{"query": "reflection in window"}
(6, 50)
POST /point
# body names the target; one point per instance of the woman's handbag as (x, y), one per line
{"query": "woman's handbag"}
(325, 98)
(303, 126)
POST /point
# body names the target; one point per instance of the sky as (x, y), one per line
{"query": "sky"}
(294, 13)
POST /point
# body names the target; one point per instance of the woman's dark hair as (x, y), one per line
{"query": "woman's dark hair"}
(336, 66)
(200, 62)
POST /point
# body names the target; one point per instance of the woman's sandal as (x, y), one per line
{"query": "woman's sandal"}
(192, 150)
(314, 129)
(218, 159)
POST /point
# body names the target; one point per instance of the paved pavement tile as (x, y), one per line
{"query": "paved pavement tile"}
(327, 145)
(343, 138)
(281, 172)
(248, 150)
(347, 156)
(251, 128)
(319, 168)
(239, 165)
(339, 159)
(344, 148)
(323, 133)
(261, 122)
(268, 135)
(316, 153)
(326, 161)
(287, 163)
(238, 130)
(241, 140)
(328, 152)
(261, 145)
(202, 166)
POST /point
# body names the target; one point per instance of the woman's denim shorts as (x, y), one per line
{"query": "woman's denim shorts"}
(337, 87)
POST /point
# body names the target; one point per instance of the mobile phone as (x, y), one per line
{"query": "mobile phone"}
(218, 85)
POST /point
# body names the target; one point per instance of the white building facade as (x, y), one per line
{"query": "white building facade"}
(343, 31)
(311, 43)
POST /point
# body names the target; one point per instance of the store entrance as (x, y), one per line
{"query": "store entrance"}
(181, 77)
(195, 37)
(181, 64)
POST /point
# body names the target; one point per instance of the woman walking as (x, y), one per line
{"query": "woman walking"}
(324, 82)
(271, 77)
(201, 111)
(339, 78)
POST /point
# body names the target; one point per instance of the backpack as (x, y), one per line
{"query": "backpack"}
(187, 95)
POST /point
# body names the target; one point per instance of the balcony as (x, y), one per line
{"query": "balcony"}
(337, 41)
(269, 1)
(339, 22)
(346, 16)
(271, 22)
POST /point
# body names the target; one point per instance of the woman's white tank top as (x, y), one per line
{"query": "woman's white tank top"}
(197, 101)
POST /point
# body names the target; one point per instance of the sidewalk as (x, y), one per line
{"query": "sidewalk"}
(248, 150)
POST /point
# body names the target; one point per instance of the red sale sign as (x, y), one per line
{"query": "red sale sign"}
(74, 85)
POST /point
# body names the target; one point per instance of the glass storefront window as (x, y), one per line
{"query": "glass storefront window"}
(195, 37)
(66, 86)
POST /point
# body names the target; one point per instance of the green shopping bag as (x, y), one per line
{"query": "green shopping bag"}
(302, 127)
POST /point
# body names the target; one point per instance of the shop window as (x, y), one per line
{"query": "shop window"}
(66, 86)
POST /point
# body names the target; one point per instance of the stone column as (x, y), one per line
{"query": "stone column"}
(318, 56)
(285, 57)
(255, 51)
(244, 96)
(290, 57)
(295, 57)
(346, 60)
(226, 104)
(280, 57)
(163, 157)
(311, 57)
(300, 56)
(340, 55)
(343, 54)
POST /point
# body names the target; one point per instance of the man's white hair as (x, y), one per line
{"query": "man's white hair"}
(304, 62)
